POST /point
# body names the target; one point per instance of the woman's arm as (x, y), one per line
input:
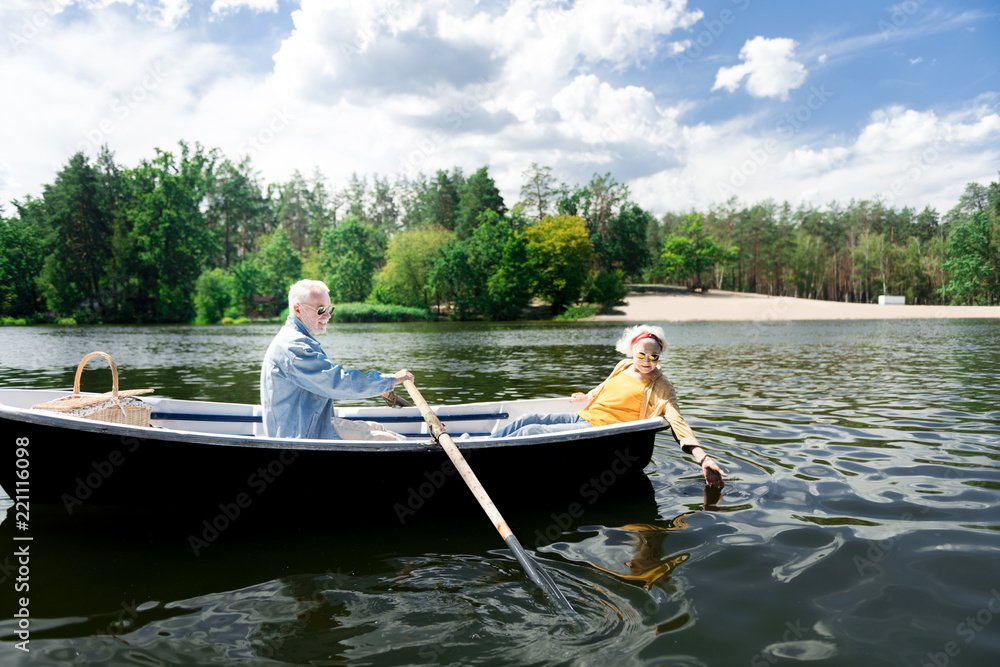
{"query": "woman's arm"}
(686, 439)
(713, 473)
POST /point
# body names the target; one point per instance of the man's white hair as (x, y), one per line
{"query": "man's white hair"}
(303, 290)
(624, 344)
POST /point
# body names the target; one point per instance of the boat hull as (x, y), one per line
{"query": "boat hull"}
(77, 463)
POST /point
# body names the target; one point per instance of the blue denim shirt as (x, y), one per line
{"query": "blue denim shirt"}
(298, 383)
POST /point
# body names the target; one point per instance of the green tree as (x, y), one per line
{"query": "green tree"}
(355, 196)
(293, 201)
(561, 257)
(404, 280)
(441, 198)
(623, 246)
(213, 295)
(973, 262)
(412, 194)
(80, 242)
(121, 262)
(349, 258)
(870, 265)
(485, 274)
(452, 278)
(608, 289)
(688, 258)
(599, 204)
(618, 228)
(539, 192)
(20, 265)
(384, 215)
(478, 194)
(247, 284)
(172, 241)
(321, 207)
(913, 275)
(280, 266)
(237, 210)
(500, 254)
(808, 264)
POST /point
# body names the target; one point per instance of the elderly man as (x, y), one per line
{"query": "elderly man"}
(298, 382)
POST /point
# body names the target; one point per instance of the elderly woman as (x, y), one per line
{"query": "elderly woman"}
(636, 389)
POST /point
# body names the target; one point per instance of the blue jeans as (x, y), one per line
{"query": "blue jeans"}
(533, 424)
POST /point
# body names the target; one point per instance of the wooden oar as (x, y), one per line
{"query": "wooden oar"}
(531, 568)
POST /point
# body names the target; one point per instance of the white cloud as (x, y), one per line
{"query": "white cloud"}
(224, 7)
(906, 157)
(594, 111)
(896, 128)
(768, 67)
(803, 161)
(170, 12)
(393, 88)
(358, 51)
(80, 103)
(166, 13)
(485, 78)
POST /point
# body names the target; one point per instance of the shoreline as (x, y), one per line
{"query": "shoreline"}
(720, 305)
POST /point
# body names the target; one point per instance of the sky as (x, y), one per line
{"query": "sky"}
(690, 103)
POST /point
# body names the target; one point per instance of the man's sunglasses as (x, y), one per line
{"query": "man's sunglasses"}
(322, 310)
(643, 355)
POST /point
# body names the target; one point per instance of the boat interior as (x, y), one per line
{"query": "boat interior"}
(462, 421)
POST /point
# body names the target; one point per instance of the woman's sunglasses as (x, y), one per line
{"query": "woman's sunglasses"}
(643, 355)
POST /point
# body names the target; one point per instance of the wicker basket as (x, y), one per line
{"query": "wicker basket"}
(117, 407)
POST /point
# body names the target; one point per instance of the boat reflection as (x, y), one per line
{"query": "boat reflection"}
(120, 585)
(105, 555)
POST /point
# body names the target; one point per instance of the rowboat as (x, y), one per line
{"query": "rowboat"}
(215, 456)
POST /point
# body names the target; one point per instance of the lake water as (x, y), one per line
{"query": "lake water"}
(859, 524)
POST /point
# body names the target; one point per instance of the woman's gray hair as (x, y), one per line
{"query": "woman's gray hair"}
(624, 344)
(301, 291)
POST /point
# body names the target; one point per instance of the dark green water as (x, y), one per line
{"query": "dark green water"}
(859, 526)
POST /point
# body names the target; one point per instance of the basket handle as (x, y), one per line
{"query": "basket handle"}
(114, 373)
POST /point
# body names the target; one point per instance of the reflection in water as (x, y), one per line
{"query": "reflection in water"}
(648, 560)
(859, 523)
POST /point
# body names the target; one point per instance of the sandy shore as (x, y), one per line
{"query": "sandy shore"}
(733, 306)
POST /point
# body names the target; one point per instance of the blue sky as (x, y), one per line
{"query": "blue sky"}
(689, 103)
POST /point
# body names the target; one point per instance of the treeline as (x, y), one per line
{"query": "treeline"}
(853, 253)
(192, 235)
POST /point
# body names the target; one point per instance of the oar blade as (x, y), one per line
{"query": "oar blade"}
(537, 574)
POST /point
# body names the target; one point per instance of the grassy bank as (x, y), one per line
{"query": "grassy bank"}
(355, 312)
(368, 312)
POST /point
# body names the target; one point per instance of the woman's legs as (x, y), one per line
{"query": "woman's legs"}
(533, 424)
